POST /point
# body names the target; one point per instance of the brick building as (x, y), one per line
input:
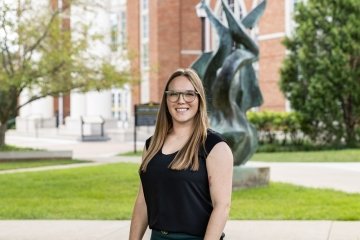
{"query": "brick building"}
(165, 35)
(160, 36)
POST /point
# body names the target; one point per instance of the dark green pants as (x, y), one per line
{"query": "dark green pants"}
(160, 235)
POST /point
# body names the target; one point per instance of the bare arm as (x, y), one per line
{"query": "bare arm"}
(219, 165)
(139, 220)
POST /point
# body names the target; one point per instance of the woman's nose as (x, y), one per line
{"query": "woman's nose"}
(181, 98)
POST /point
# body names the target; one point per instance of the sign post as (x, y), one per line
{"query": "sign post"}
(145, 115)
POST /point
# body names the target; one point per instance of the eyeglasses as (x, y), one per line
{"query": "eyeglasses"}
(188, 96)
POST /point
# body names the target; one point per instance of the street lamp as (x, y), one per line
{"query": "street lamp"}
(201, 13)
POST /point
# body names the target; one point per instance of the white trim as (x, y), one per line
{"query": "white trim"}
(145, 81)
(241, 5)
(217, 7)
(145, 87)
(190, 52)
(254, 4)
(289, 9)
(287, 106)
(289, 26)
(271, 36)
(207, 35)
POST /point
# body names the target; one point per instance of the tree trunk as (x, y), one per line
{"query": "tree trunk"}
(350, 134)
(349, 121)
(2, 134)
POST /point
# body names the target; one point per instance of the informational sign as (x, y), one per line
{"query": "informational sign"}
(145, 115)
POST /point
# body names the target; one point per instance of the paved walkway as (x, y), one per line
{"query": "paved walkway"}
(340, 176)
(235, 230)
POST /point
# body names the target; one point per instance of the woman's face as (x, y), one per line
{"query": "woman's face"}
(182, 100)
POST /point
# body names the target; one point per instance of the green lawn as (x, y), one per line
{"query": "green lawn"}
(347, 155)
(131, 154)
(36, 163)
(284, 201)
(11, 148)
(108, 192)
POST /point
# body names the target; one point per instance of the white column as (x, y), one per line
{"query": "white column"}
(99, 103)
(26, 110)
(89, 104)
(128, 106)
(41, 108)
(145, 88)
(77, 105)
(35, 115)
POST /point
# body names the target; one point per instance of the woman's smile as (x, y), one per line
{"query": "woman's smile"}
(181, 109)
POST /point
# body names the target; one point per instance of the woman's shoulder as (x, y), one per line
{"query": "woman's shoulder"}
(212, 139)
(147, 142)
(214, 136)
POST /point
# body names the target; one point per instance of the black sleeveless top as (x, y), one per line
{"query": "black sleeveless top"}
(178, 200)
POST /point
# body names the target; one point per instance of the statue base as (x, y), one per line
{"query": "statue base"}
(248, 177)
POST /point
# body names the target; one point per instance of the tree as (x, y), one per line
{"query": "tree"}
(40, 52)
(321, 74)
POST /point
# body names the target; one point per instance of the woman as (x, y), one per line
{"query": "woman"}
(186, 172)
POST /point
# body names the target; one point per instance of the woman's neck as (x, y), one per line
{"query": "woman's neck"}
(182, 130)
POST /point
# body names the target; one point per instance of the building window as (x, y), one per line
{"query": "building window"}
(144, 50)
(123, 28)
(231, 4)
(145, 5)
(119, 99)
(114, 32)
(120, 104)
(145, 26)
(144, 33)
(145, 55)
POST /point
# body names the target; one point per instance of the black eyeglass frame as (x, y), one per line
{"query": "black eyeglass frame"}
(181, 93)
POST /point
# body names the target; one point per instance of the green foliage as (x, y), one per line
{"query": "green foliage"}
(344, 155)
(321, 74)
(301, 145)
(271, 124)
(11, 148)
(40, 53)
(11, 123)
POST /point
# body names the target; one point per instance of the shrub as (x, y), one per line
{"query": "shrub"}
(277, 127)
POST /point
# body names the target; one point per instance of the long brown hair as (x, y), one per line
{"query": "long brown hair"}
(187, 157)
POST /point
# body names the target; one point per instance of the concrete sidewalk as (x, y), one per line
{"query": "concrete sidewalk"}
(235, 230)
(338, 176)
